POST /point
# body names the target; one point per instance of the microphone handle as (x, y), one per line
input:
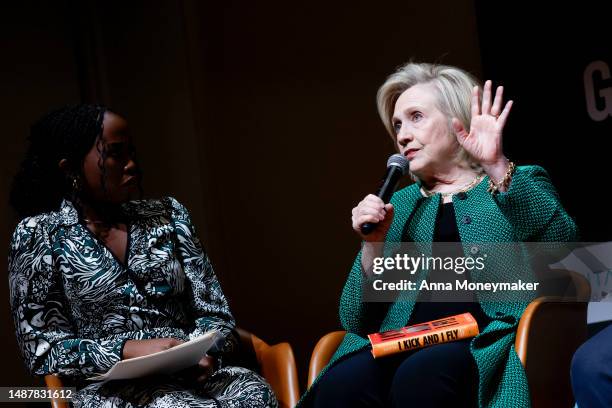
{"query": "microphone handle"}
(392, 176)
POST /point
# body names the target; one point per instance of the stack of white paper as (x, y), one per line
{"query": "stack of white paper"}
(164, 362)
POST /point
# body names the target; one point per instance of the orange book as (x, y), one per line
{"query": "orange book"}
(426, 334)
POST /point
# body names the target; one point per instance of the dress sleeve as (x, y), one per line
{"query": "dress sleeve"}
(206, 299)
(532, 206)
(45, 333)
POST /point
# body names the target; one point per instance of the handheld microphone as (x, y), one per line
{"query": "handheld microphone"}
(397, 166)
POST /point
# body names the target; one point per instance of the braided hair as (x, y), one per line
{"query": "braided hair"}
(66, 133)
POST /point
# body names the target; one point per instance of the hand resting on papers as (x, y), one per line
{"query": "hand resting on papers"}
(198, 373)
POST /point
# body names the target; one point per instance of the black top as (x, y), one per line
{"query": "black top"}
(425, 310)
(446, 226)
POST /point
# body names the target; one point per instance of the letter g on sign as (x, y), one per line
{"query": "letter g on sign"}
(592, 94)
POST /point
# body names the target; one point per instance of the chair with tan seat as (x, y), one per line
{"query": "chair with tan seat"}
(275, 363)
(548, 334)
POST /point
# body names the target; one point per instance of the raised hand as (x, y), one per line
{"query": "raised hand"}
(484, 140)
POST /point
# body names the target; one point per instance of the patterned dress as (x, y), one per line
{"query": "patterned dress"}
(75, 305)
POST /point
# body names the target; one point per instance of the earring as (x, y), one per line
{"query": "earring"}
(73, 194)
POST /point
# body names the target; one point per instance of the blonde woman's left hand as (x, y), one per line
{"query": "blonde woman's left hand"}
(484, 140)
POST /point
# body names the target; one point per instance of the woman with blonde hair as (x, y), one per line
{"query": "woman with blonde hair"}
(466, 190)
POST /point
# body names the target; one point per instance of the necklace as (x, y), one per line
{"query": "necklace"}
(467, 187)
(88, 221)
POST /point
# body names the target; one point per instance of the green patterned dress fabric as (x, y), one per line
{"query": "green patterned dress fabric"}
(75, 305)
(530, 211)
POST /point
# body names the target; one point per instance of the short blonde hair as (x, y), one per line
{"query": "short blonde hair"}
(453, 87)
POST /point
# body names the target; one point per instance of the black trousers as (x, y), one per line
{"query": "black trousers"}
(444, 375)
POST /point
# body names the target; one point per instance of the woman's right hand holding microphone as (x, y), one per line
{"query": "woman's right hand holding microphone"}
(373, 210)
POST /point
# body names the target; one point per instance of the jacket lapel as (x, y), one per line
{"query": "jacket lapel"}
(414, 221)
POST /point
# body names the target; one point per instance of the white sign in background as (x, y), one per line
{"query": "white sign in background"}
(594, 262)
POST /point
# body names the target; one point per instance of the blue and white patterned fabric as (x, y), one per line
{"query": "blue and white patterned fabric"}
(75, 305)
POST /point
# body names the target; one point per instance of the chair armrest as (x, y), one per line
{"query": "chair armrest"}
(548, 334)
(277, 365)
(54, 382)
(323, 352)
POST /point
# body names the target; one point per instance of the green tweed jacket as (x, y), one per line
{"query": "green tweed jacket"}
(529, 211)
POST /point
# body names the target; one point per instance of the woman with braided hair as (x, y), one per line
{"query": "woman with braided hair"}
(97, 277)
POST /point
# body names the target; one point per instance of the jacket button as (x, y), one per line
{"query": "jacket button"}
(467, 219)
(461, 195)
(474, 250)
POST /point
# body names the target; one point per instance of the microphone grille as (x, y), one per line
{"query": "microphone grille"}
(399, 161)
